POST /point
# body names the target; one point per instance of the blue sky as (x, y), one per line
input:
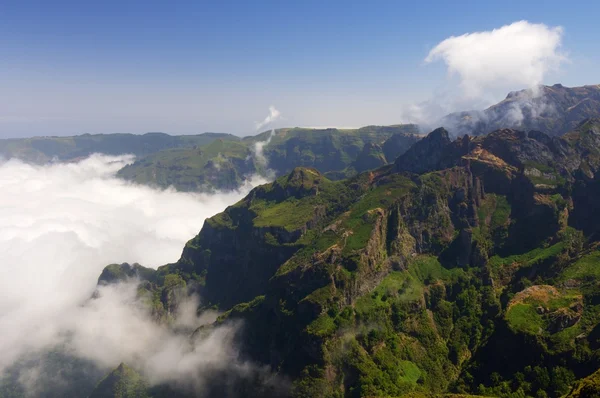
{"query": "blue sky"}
(71, 67)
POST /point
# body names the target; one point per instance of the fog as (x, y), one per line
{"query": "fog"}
(59, 226)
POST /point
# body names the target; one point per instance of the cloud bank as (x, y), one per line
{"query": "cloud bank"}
(59, 226)
(484, 66)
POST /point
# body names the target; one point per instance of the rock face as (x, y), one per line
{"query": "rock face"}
(554, 110)
(426, 155)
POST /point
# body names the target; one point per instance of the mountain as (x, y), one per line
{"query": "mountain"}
(554, 110)
(225, 164)
(470, 271)
(221, 164)
(45, 149)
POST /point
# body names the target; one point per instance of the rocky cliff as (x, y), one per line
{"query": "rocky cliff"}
(467, 266)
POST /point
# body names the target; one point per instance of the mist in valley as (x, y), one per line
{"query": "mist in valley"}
(60, 225)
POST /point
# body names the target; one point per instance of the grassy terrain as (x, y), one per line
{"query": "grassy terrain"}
(293, 212)
(528, 310)
(587, 268)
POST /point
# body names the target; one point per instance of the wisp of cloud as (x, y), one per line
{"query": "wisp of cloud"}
(273, 116)
(60, 224)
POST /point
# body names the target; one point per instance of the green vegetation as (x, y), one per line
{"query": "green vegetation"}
(317, 193)
(523, 317)
(222, 164)
(532, 257)
(587, 387)
(587, 268)
(536, 308)
(503, 268)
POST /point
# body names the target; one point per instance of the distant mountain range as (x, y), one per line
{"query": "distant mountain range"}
(226, 163)
(210, 161)
(45, 149)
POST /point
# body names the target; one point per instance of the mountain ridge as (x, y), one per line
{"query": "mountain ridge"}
(554, 110)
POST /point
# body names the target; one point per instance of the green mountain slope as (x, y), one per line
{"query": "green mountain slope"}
(467, 266)
(222, 164)
(329, 149)
(226, 164)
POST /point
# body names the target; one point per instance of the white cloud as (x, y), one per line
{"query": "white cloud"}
(59, 226)
(484, 66)
(521, 53)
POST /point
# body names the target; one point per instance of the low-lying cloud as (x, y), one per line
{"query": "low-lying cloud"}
(484, 66)
(60, 225)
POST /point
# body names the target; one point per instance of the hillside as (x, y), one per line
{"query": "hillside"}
(554, 110)
(44, 149)
(473, 270)
(227, 163)
(221, 164)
